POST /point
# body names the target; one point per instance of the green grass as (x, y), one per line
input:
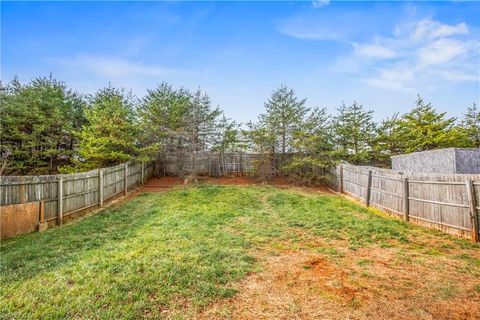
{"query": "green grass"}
(180, 250)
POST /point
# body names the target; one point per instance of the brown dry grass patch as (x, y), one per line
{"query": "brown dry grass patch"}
(368, 283)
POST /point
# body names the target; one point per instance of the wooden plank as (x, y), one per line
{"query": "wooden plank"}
(387, 178)
(41, 216)
(42, 224)
(440, 223)
(100, 186)
(406, 204)
(60, 201)
(439, 202)
(125, 179)
(473, 209)
(386, 192)
(355, 183)
(340, 181)
(436, 182)
(19, 219)
(369, 186)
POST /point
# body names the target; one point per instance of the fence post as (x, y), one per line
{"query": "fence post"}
(100, 185)
(340, 178)
(41, 216)
(241, 164)
(42, 225)
(209, 166)
(125, 179)
(406, 207)
(369, 188)
(472, 208)
(143, 172)
(60, 201)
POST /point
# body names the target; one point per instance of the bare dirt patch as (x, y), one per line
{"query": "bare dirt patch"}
(162, 184)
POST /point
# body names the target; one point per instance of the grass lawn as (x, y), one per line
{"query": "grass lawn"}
(239, 252)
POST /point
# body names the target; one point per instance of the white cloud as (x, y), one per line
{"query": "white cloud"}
(297, 29)
(456, 75)
(431, 29)
(442, 51)
(320, 3)
(419, 54)
(115, 67)
(374, 51)
(397, 78)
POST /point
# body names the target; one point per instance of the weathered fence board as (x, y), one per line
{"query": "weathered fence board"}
(437, 201)
(19, 219)
(79, 191)
(215, 164)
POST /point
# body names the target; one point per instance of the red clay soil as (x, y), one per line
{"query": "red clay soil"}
(162, 184)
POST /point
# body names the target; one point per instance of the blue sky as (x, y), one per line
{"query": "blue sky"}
(381, 54)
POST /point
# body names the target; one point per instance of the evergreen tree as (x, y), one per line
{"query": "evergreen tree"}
(388, 141)
(471, 126)
(38, 124)
(226, 137)
(162, 114)
(313, 143)
(314, 135)
(289, 126)
(423, 128)
(284, 114)
(354, 131)
(200, 122)
(262, 139)
(110, 135)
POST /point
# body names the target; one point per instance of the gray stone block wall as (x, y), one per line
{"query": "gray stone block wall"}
(467, 160)
(446, 161)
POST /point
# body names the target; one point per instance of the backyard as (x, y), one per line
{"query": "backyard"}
(241, 252)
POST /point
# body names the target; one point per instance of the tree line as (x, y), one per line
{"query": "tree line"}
(47, 128)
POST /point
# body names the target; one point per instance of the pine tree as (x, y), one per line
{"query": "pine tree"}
(226, 136)
(388, 141)
(312, 142)
(162, 114)
(354, 132)
(38, 123)
(262, 139)
(288, 126)
(423, 128)
(471, 126)
(200, 122)
(110, 135)
(284, 113)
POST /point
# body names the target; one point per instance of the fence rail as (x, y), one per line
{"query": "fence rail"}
(446, 202)
(65, 194)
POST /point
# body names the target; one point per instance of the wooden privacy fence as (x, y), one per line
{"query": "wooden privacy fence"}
(216, 164)
(63, 195)
(450, 202)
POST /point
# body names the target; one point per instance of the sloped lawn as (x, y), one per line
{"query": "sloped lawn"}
(191, 252)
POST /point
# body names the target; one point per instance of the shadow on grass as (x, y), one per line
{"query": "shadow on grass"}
(29, 255)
